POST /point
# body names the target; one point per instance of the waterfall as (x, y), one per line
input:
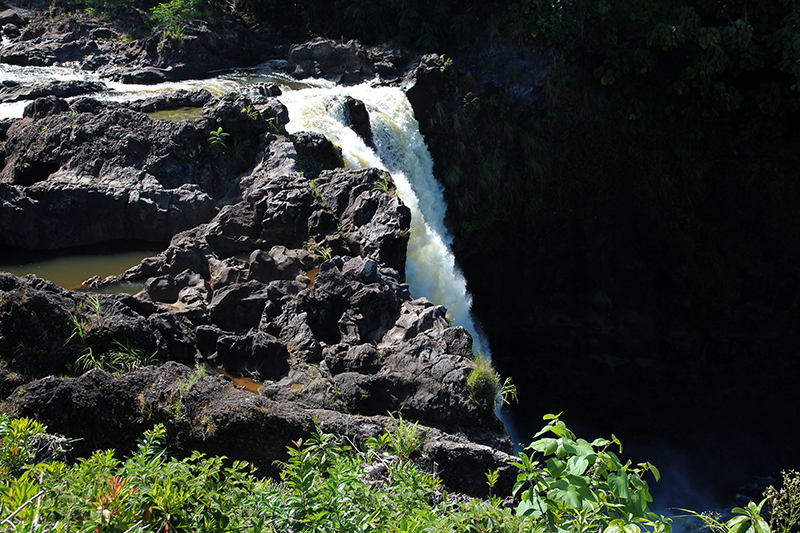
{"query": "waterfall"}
(400, 149)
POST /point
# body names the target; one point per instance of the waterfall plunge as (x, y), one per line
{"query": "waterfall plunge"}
(400, 149)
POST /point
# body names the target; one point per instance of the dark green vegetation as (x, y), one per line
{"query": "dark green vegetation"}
(566, 484)
(645, 205)
(326, 485)
(645, 196)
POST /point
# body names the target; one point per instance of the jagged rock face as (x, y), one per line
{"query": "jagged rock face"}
(215, 417)
(319, 312)
(12, 91)
(87, 172)
(156, 57)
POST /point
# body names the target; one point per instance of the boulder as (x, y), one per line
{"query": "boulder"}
(346, 64)
(172, 100)
(9, 16)
(62, 89)
(102, 411)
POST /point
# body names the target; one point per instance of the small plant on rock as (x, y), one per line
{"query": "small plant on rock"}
(320, 251)
(218, 139)
(384, 184)
(404, 438)
(483, 382)
(251, 112)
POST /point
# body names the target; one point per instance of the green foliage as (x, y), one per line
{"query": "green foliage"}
(218, 139)
(784, 503)
(318, 250)
(745, 520)
(172, 14)
(384, 184)
(148, 492)
(584, 486)
(123, 357)
(483, 384)
(700, 61)
(483, 381)
(102, 8)
(401, 438)
(251, 112)
(550, 23)
(315, 189)
(241, 146)
(274, 125)
(16, 450)
(326, 485)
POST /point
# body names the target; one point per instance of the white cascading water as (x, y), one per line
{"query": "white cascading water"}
(400, 149)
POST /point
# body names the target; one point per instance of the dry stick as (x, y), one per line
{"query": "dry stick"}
(35, 522)
(21, 507)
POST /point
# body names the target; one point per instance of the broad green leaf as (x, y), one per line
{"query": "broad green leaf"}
(556, 466)
(618, 483)
(760, 525)
(582, 447)
(738, 524)
(577, 465)
(565, 447)
(655, 471)
(525, 508)
(570, 496)
(552, 416)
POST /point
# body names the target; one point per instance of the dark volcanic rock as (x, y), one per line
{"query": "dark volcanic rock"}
(9, 16)
(12, 92)
(115, 52)
(104, 411)
(348, 64)
(172, 100)
(113, 173)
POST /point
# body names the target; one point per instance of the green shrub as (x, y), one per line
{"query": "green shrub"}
(16, 438)
(171, 14)
(326, 485)
(401, 438)
(484, 385)
(584, 486)
(483, 382)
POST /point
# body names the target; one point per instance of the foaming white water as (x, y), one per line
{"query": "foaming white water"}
(126, 92)
(400, 149)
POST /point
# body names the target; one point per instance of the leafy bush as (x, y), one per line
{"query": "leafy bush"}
(402, 438)
(326, 485)
(171, 14)
(584, 486)
(483, 381)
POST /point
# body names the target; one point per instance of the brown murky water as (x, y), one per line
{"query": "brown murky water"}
(247, 383)
(70, 271)
(176, 115)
